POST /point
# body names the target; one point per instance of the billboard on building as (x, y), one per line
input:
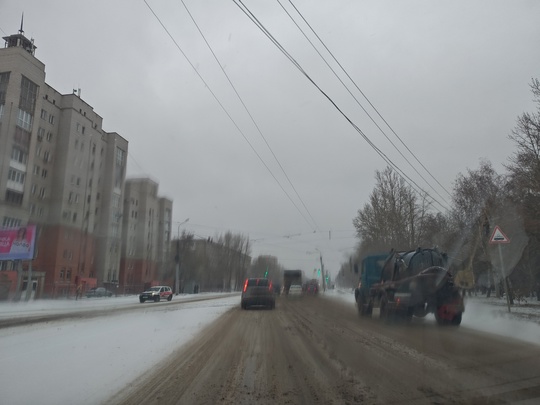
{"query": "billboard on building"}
(17, 243)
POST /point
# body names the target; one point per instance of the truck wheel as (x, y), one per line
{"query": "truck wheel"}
(408, 314)
(456, 321)
(361, 304)
(383, 312)
(445, 317)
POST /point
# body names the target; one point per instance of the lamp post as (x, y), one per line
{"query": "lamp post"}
(323, 278)
(322, 270)
(177, 287)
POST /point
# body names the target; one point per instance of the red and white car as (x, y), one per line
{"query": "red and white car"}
(156, 294)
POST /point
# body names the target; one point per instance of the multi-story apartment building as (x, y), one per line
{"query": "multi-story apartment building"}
(146, 237)
(61, 171)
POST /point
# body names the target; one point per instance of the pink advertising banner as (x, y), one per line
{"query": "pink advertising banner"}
(17, 243)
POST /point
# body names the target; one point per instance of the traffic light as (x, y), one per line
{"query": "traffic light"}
(266, 274)
(318, 272)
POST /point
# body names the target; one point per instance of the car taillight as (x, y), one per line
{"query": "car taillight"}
(245, 285)
(270, 286)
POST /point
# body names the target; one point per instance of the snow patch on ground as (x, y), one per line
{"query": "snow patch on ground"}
(86, 361)
(489, 315)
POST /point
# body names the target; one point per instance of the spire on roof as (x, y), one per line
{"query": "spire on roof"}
(20, 41)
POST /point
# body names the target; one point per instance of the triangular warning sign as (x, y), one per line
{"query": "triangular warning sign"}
(498, 236)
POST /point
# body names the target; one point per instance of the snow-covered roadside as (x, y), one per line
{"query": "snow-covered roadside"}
(86, 361)
(488, 315)
(24, 309)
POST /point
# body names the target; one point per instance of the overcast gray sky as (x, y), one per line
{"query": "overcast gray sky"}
(450, 77)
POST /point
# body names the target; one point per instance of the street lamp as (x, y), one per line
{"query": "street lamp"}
(322, 270)
(178, 258)
(323, 278)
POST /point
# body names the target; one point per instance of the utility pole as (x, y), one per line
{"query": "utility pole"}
(322, 272)
(177, 286)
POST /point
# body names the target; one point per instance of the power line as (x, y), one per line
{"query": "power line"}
(365, 97)
(250, 115)
(402, 174)
(225, 110)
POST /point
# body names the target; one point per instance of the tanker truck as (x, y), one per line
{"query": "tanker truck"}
(406, 284)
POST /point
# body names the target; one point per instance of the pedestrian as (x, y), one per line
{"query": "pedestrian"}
(79, 292)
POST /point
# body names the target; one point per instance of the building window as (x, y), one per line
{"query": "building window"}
(62, 272)
(40, 134)
(49, 136)
(27, 99)
(43, 114)
(44, 173)
(14, 197)
(33, 189)
(51, 119)
(24, 120)
(42, 192)
(16, 176)
(74, 217)
(17, 155)
(9, 222)
(68, 275)
(4, 80)
(46, 156)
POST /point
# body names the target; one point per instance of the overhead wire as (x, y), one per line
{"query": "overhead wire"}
(365, 97)
(419, 190)
(250, 115)
(225, 111)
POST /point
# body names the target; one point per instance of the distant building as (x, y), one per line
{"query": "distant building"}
(146, 247)
(61, 171)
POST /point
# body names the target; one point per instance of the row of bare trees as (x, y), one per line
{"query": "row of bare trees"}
(396, 216)
(213, 264)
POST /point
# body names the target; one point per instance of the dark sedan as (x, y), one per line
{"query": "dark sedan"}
(258, 292)
(98, 292)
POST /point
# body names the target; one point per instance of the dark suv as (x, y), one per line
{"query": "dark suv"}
(258, 292)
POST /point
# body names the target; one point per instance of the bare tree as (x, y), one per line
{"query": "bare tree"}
(393, 217)
(524, 167)
(524, 170)
(477, 197)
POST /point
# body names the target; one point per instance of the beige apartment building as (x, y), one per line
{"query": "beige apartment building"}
(62, 172)
(146, 237)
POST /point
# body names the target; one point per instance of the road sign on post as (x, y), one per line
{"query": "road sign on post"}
(498, 238)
